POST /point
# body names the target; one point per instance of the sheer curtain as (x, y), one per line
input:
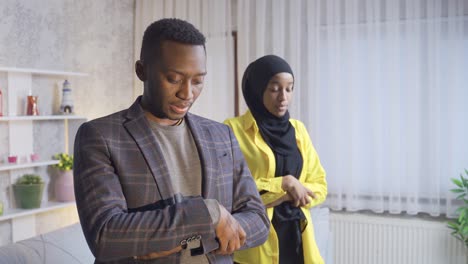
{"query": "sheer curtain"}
(382, 87)
(213, 19)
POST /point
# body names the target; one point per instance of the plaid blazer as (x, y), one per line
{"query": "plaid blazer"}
(125, 199)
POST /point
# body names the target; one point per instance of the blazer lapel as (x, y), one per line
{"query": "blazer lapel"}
(139, 128)
(208, 156)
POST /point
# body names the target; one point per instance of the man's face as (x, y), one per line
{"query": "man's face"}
(278, 94)
(173, 81)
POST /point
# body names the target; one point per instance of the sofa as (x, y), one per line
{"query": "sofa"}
(68, 245)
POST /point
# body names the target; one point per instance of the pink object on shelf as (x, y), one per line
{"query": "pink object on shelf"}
(12, 159)
(34, 157)
(64, 190)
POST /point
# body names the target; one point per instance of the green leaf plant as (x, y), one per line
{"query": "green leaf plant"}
(65, 161)
(28, 179)
(459, 226)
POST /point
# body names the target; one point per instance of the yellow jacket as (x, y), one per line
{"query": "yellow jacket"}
(261, 161)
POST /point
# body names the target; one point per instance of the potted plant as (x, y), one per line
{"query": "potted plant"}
(459, 226)
(28, 191)
(63, 187)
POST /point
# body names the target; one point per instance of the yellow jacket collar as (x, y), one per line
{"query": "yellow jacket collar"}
(248, 121)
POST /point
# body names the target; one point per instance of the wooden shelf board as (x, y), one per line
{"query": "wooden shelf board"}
(43, 72)
(43, 117)
(8, 166)
(46, 207)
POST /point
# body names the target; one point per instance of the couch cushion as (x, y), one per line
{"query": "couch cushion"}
(66, 245)
(17, 253)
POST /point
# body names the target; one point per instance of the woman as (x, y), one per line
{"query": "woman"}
(283, 162)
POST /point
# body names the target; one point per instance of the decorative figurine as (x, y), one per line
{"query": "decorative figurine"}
(66, 107)
(32, 106)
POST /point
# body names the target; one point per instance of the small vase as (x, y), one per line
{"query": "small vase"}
(28, 196)
(64, 190)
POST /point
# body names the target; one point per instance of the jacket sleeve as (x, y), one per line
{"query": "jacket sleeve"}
(314, 173)
(247, 208)
(272, 185)
(112, 232)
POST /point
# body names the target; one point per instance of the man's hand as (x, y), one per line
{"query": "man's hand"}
(160, 254)
(229, 232)
(299, 194)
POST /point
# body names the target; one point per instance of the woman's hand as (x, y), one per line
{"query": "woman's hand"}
(298, 193)
(282, 199)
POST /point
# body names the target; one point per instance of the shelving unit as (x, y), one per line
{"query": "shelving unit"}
(15, 213)
(5, 167)
(42, 72)
(21, 143)
(65, 118)
(33, 118)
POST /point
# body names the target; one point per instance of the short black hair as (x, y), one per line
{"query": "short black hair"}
(168, 29)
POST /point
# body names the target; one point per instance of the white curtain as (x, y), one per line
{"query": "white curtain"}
(382, 86)
(213, 19)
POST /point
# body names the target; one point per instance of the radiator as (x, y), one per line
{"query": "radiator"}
(371, 239)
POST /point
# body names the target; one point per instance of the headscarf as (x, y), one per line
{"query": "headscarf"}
(277, 132)
(280, 135)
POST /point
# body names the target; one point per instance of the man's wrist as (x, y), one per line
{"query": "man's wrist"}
(213, 209)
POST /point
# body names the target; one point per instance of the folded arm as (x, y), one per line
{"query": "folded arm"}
(311, 188)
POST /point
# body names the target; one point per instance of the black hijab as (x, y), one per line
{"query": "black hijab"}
(280, 135)
(277, 132)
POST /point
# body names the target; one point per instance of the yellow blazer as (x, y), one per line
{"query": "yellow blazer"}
(261, 161)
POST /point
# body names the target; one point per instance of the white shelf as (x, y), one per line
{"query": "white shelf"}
(20, 82)
(7, 166)
(39, 117)
(43, 72)
(45, 207)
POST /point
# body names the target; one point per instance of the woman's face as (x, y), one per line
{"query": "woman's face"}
(278, 94)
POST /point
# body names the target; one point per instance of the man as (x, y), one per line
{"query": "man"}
(157, 184)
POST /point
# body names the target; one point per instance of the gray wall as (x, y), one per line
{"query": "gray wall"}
(94, 37)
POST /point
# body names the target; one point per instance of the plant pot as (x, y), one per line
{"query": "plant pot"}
(28, 196)
(64, 190)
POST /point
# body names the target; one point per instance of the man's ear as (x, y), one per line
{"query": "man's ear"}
(140, 70)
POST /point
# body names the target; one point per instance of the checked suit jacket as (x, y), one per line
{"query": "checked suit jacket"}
(124, 194)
